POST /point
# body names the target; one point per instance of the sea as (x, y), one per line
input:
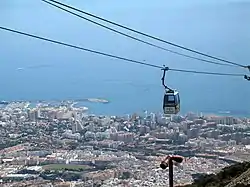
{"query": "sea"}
(36, 70)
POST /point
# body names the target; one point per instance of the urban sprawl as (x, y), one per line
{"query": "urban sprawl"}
(47, 145)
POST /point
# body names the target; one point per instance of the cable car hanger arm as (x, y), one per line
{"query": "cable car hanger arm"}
(163, 78)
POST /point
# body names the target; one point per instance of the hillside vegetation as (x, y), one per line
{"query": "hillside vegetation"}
(237, 175)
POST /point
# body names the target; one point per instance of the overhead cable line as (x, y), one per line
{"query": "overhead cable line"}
(152, 37)
(77, 47)
(118, 57)
(137, 39)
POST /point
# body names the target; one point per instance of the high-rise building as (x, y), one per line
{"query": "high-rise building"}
(227, 120)
(76, 126)
(33, 114)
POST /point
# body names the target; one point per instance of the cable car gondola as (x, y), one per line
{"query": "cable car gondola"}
(171, 100)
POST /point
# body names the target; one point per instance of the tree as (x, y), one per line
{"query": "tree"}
(126, 175)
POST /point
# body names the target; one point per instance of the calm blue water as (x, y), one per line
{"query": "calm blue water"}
(50, 71)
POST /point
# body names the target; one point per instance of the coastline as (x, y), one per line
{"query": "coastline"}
(81, 103)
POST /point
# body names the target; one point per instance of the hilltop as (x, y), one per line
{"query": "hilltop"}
(237, 175)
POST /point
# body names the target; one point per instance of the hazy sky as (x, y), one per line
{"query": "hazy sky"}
(218, 27)
(209, 26)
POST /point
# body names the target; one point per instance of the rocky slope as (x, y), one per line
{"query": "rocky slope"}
(237, 175)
